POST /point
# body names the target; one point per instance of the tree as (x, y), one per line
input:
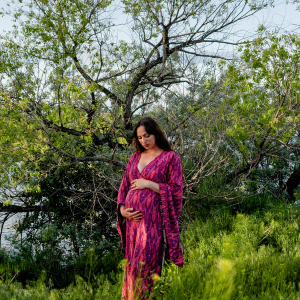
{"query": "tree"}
(71, 90)
(264, 110)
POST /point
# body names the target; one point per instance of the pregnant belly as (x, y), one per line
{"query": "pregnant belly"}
(143, 200)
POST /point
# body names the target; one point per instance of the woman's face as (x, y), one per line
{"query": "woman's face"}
(145, 139)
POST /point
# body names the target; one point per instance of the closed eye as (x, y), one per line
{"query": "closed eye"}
(146, 136)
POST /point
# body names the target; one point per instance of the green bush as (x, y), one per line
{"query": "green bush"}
(227, 256)
(238, 257)
(47, 253)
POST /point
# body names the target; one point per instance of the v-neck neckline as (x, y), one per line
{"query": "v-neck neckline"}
(137, 165)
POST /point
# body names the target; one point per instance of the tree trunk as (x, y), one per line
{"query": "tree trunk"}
(292, 183)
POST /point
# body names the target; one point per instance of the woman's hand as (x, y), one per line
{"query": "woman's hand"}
(139, 184)
(126, 213)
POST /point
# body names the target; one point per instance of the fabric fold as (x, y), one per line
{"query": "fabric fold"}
(122, 194)
(171, 201)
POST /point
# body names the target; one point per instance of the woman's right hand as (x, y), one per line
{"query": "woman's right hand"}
(126, 213)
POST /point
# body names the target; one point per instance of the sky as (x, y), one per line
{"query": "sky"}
(281, 15)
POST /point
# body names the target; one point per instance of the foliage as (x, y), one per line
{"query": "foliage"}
(227, 256)
(71, 91)
(60, 264)
(262, 112)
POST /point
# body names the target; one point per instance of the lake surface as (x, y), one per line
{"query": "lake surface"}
(8, 230)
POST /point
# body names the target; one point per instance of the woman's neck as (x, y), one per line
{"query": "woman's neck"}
(154, 149)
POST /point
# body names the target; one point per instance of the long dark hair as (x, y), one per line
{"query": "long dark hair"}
(151, 127)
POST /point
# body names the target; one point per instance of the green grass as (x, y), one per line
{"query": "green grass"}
(227, 256)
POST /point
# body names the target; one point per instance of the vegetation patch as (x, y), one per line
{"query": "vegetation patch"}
(227, 256)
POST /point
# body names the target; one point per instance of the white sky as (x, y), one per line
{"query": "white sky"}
(282, 15)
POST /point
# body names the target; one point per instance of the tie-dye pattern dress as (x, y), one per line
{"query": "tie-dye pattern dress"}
(142, 241)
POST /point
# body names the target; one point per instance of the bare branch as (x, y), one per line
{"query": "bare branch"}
(88, 158)
(91, 81)
(205, 55)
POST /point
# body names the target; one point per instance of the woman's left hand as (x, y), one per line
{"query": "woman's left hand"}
(139, 184)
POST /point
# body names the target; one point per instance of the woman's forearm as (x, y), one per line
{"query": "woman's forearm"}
(153, 186)
(121, 208)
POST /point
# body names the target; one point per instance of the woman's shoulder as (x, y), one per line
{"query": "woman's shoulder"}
(134, 155)
(172, 155)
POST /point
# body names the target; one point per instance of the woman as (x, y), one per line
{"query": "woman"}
(153, 178)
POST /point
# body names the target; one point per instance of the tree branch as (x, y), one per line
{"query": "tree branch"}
(205, 55)
(88, 158)
(91, 81)
(19, 209)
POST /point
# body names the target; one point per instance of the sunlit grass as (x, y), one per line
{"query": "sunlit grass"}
(227, 256)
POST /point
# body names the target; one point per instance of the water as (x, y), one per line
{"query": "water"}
(8, 230)
(9, 226)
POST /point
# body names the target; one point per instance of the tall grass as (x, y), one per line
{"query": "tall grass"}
(227, 256)
(238, 257)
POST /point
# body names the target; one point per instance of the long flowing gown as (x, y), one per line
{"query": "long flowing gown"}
(142, 241)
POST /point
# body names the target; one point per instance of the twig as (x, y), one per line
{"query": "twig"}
(268, 230)
(14, 277)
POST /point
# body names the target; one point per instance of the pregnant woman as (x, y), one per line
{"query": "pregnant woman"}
(153, 179)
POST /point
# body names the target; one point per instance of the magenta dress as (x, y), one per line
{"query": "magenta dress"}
(143, 243)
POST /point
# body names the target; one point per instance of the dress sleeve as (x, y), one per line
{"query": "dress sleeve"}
(171, 200)
(122, 193)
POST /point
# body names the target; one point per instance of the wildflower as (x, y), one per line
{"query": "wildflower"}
(225, 265)
(156, 277)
